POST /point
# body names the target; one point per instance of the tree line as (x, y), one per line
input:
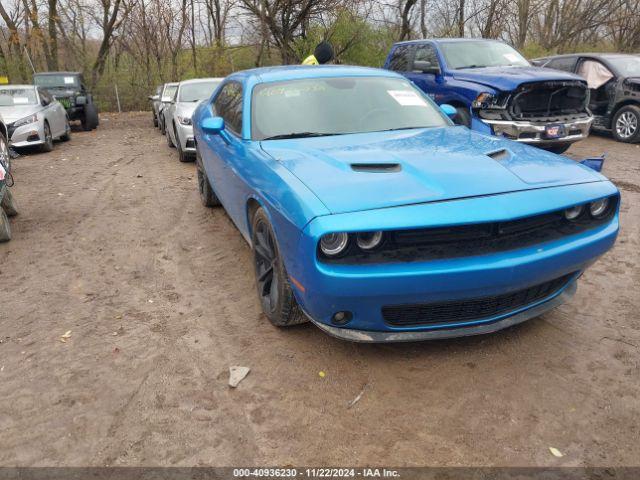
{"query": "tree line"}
(138, 44)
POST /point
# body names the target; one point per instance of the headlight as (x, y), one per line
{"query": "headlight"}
(599, 208)
(368, 240)
(574, 212)
(184, 120)
(334, 244)
(26, 121)
(483, 100)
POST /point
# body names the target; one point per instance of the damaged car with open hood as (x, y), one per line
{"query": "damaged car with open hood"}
(497, 91)
(372, 215)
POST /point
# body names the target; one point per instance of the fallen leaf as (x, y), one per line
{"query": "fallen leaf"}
(67, 335)
(555, 452)
(321, 374)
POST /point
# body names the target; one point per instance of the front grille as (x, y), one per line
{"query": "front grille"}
(66, 102)
(470, 309)
(457, 241)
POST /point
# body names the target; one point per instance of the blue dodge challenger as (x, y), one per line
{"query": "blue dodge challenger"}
(372, 215)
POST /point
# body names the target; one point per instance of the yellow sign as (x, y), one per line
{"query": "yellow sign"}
(4, 80)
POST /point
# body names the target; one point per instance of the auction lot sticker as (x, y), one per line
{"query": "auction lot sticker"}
(407, 98)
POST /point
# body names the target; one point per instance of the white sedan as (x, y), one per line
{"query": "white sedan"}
(33, 117)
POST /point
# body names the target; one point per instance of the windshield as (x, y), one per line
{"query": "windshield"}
(334, 106)
(627, 66)
(64, 81)
(169, 91)
(481, 54)
(194, 92)
(10, 97)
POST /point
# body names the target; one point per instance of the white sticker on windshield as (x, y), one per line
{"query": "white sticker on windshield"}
(407, 98)
(20, 100)
(69, 80)
(512, 57)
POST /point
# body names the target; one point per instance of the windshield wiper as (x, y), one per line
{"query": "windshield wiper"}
(299, 135)
(470, 66)
(401, 128)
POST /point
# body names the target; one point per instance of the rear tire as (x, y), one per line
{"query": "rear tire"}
(90, 119)
(274, 291)
(207, 195)
(67, 132)
(8, 204)
(5, 228)
(626, 124)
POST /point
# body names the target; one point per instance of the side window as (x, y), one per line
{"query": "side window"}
(568, 64)
(228, 105)
(426, 53)
(44, 95)
(400, 59)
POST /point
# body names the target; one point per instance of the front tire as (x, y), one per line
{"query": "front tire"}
(8, 204)
(207, 195)
(558, 149)
(274, 291)
(626, 124)
(47, 146)
(169, 141)
(5, 228)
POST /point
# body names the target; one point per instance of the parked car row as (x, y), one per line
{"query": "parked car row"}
(372, 215)
(7, 203)
(172, 107)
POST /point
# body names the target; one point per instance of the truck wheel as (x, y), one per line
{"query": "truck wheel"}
(8, 204)
(626, 124)
(274, 290)
(47, 146)
(90, 119)
(5, 229)
(155, 121)
(463, 117)
(558, 148)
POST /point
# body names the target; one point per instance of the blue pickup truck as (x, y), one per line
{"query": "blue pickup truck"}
(496, 90)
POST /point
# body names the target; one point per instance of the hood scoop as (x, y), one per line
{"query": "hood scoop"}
(499, 155)
(376, 167)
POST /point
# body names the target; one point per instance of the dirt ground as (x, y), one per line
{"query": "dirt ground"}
(112, 244)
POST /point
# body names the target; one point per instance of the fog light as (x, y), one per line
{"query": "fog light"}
(341, 318)
(573, 212)
(599, 208)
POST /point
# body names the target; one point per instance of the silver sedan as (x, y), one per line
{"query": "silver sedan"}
(178, 114)
(33, 117)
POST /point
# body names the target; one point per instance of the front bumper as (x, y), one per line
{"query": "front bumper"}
(490, 326)
(185, 138)
(322, 288)
(28, 135)
(534, 133)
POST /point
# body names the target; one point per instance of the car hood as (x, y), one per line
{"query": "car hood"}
(509, 78)
(11, 114)
(385, 169)
(185, 109)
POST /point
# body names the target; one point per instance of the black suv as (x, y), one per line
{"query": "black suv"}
(69, 89)
(614, 83)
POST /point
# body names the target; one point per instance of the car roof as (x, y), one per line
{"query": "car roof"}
(447, 40)
(300, 72)
(200, 80)
(589, 54)
(58, 73)
(22, 86)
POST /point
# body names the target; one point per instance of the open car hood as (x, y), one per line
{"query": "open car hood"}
(385, 169)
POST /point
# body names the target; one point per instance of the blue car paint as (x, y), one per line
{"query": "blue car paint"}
(462, 87)
(307, 190)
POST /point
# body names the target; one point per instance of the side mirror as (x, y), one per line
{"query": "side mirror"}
(153, 98)
(81, 100)
(44, 102)
(212, 125)
(449, 110)
(423, 66)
